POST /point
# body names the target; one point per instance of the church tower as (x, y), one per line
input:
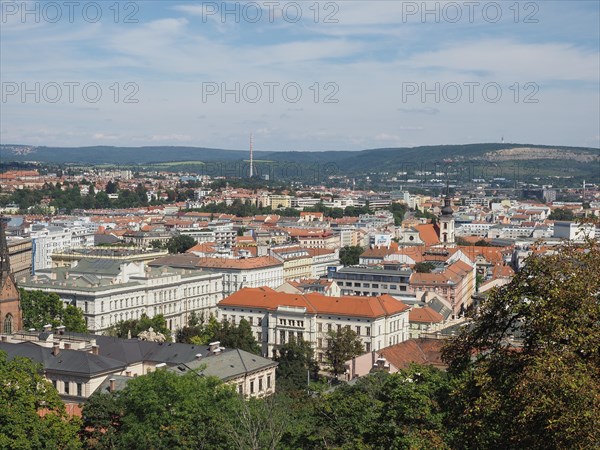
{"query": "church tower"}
(446, 220)
(11, 318)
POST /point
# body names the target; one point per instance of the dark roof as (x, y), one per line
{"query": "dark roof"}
(72, 361)
(133, 350)
(227, 364)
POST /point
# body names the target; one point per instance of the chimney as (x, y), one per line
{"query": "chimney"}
(214, 347)
(67, 345)
(111, 385)
(95, 349)
(198, 355)
(48, 327)
(60, 330)
(56, 349)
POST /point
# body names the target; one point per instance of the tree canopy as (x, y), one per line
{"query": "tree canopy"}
(238, 336)
(342, 345)
(179, 244)
(46, 308)
(135, 326)
(349, 255)
(24, 392)
(542, 391)
(296, 365)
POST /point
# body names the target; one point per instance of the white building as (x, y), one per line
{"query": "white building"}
(237, 273)
(276, 317)
(574, 231)
(51, 238)
(109, 291)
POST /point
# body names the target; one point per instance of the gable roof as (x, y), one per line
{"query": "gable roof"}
(71, 361)
(420, 351)
(228, 364)
(316, 303)
(424, 315)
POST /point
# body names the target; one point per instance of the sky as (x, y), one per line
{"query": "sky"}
(305, 75)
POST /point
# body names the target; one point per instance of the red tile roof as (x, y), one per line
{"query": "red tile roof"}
(428, 234)
(315, 303)
(424, 315)
(420, 351)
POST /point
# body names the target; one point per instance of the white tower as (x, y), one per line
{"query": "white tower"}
(447, 220)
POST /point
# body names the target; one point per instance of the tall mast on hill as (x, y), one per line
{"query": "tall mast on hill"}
(251, 158)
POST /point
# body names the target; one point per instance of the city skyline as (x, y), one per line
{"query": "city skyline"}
(401, 76)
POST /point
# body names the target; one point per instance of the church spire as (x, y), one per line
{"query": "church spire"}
(5, 271)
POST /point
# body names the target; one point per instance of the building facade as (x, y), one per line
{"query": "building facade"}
(277, 317)
(109, 291)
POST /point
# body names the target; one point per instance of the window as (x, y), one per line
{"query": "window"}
(268, 381)
(393, 287)
(328, 327)
(8, 324)
(358, 330)
(66, 387)
(320, 327)
(252, 387)
(339, 327)
(368, 331)
(79, 390)
(368, 346)
(259, 336)
(54, 383)
(240, 388)
(320, 343)
(260, 384)
(282, 337)
(375, 286)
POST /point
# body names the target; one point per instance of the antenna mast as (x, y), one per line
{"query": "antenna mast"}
(251, 158)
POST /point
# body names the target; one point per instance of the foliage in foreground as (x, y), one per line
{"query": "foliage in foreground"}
(46, 308)
(545, 394)
(23, 394)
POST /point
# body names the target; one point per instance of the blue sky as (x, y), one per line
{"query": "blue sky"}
(372, 60)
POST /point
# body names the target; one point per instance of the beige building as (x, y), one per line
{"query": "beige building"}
(276, 317)
(20, 256)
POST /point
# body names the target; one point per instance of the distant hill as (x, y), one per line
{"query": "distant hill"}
(579, 161)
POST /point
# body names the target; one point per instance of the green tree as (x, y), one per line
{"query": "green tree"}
(162, 410)
(23, 393)
(404, 410)
(135, 326)
(111, 187)
(157, 244)
(545, 391)
(562, 214)
(238, 336)
(424, 267)
(342, 345)
(179, 244)
(296, 365)
(349, 255)
(42, 308)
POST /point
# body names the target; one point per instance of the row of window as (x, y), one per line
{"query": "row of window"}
(391, 287)
(254, 385)
(298, 335)
(357, 328)
(291, 323)
(68, 388)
